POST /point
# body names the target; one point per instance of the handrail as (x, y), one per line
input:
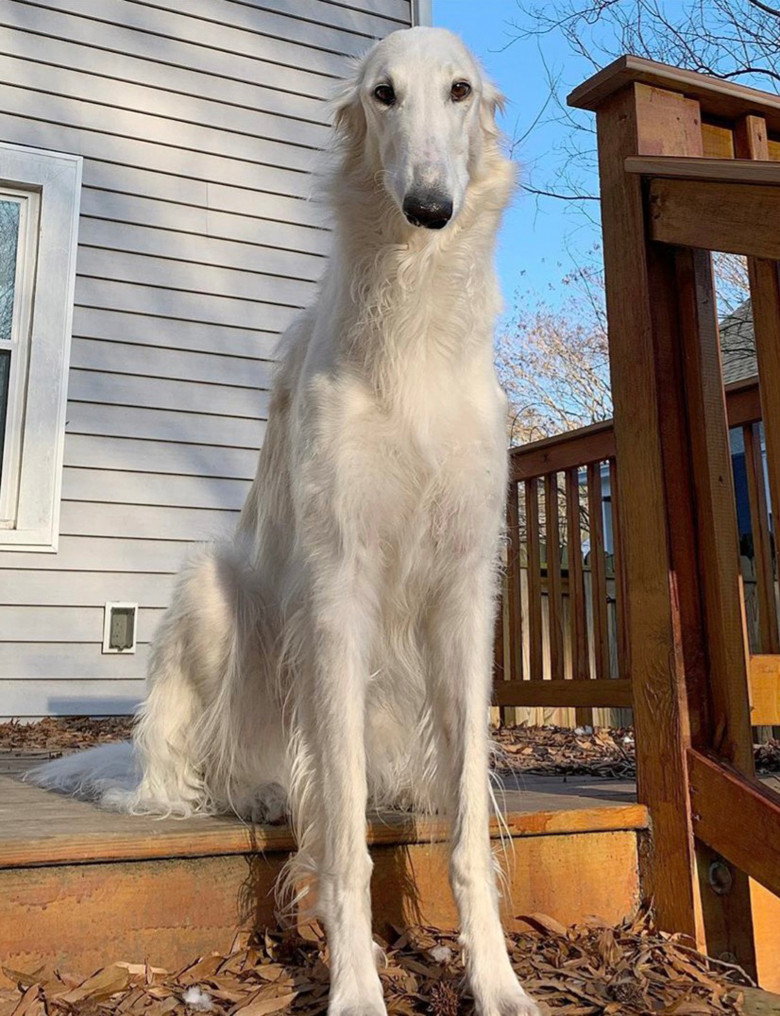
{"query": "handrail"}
(563, 451)
(743, 402)
(720, 794)
(596, 442)
(676, 167)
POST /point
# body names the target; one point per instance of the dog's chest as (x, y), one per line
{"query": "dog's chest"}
(409, 469)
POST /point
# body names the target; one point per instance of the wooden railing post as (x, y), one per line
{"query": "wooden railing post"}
(690, 670)
(664, 609)
(637, 300)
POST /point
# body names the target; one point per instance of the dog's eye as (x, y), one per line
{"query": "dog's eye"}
(384, 94)
(460, 90)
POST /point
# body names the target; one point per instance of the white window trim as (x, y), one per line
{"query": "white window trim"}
(422, 12)
(56, 178)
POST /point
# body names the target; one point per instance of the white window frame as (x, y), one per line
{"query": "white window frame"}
(18, 348)
(50, 185)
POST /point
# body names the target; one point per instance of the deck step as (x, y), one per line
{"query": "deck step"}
(82, 887)
(761, 1003)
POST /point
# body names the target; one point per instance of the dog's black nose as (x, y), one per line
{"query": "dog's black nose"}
(433, 211)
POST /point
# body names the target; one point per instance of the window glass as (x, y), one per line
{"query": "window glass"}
(9, 242)
(9, 239)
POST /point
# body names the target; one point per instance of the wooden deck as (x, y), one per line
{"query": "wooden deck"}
(44, 828)
(81, 887)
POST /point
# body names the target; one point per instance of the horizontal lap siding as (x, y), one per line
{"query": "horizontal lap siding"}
(200, 239)
(106, 696)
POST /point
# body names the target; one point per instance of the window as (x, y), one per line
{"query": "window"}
(18, 241)
(39, 195)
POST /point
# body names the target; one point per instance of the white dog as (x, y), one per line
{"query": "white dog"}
(338, 652)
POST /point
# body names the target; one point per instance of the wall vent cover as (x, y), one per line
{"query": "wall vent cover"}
(119, 627)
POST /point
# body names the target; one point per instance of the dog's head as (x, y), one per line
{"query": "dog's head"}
(420, 113)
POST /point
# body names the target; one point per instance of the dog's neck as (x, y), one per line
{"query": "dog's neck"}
(410, 299)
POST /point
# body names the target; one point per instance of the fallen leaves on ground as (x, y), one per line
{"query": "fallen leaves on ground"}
(559, 751)
(586, 970)
(63, 733)
(768, 756)
(608, 753)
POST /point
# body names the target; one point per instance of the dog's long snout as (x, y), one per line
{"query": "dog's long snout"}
(431, 209)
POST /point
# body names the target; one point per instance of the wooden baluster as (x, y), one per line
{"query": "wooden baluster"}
(598, 573)
(624, 666)
(514, 594)
(750, 138)
(769, 638)
(579, 629)
(535, 655)
(765, 298)
(751, 142)
(728, 732)
(498, 638)
(554, 583)
(715, 510)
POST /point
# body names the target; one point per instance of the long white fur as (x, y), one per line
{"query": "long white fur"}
(337, 652)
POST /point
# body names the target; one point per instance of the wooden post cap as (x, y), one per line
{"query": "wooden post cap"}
(717, 97)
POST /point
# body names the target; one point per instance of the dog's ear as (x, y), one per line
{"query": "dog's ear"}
(491, 102)
(348, 116)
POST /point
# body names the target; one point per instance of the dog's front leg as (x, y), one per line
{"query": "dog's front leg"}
(461, 653)
(343, 626)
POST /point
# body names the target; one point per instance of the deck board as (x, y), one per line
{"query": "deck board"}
(761, 1003)
(38, 827)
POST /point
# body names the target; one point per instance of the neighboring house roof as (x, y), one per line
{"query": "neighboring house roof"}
(738, 345)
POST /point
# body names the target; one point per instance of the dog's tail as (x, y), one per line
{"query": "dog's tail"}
(108, 775)
(156, 772)
(207, 700)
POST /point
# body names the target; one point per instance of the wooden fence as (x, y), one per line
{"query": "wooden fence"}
(688, 165)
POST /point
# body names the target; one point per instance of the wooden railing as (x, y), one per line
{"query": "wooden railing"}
(563, 612)
(561, 640)
(675, 151)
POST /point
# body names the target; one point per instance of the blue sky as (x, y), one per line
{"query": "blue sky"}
(536, 232)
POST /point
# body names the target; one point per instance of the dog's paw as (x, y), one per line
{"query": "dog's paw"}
(366, 1008)
(512, 1001)
(380, 956)
(523, 1006)
(361, 997)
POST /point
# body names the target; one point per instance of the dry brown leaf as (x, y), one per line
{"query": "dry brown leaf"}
(417, 968)
(201, 970)
(542, 922)
(31, 1003)
(269, 971)
(20, 977)
(160, 1007)
(131, 1000)
(158, 991)
(265, 1006)
(103, 984)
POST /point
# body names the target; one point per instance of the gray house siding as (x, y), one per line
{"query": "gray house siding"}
(197, 245)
